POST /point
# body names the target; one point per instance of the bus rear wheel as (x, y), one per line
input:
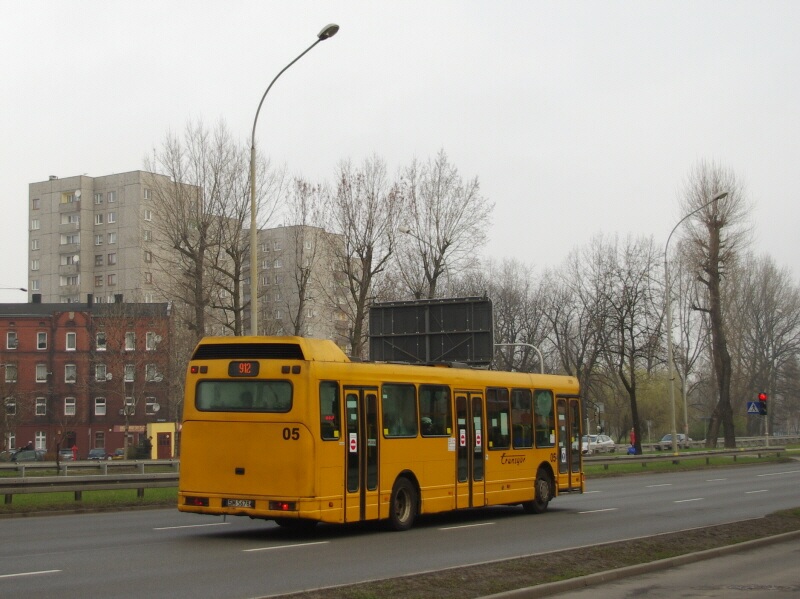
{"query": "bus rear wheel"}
(542, 488)
(403, 506)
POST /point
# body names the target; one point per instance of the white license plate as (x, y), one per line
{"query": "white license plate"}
(238, 503)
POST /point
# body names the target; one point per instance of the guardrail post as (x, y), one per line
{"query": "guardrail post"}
(9, 496)
(78, 495)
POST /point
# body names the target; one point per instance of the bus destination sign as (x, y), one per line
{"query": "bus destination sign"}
(243, 368)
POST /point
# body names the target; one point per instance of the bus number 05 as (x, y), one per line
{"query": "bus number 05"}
(291, 434)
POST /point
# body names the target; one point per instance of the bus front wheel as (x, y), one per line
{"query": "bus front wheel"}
(403, 507)
(542, 488)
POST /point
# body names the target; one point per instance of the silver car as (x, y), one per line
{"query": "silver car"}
(666, 442)
(591, 444)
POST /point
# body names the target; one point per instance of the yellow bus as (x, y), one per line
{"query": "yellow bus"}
(290, 429)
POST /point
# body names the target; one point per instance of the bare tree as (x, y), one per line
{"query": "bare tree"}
(203, 205)
(716, 233)
(447, 222)
(365, 212)
(633, 320)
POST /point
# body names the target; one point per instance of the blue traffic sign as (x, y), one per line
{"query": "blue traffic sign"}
(757, 407)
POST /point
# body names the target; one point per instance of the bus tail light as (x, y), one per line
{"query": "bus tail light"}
(283, 506)
(196, 501)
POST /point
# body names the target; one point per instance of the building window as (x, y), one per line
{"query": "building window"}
(99, 406)
(35, 264)
(70, 219)
(70, 238)
(98, 259)
(130, 370)
(278, 315)
(72, 341)
(130, 341)
(146, 194)
(99, 440)
(278, 263)
(41, 340)
(151, 374)
(151, 341)
(41, 373)
(34, 244)
(70, 259)
(98, 281)
(11, 406)
(98, 219)
(40, 440)
(100, 372)
(112, 217)
(98, 240)
(112, 279)
(70, 373)
(149, 298)
(34, 284)
(112, 237)
(35, 224)
(100, 341)
(11, 340)
(147, 235)
(130, 406)
(98, 198)
(11, 373)
(69, 406)
(35, 203)
(148, 277)
(41, 406)
(148, 215)
(112, 197)
(148, 256)
(276, 245)
(112, 258)
(67, 281)
(150, 405)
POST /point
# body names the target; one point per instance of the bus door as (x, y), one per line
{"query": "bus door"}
(569, 438)
(470, 460)
(361, 445)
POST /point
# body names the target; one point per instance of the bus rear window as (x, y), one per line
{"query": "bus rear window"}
(244, 396)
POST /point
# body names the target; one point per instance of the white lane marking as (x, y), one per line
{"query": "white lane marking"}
(659, 485)
(608, 509)
(759, 491)
(191, 526)
(29, 573)
(688, 500)
(715, 480)
(590, 492)
(779, 473)
(285, 546)
(466, 526)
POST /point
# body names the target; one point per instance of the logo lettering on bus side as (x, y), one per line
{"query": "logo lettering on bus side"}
(511, 458)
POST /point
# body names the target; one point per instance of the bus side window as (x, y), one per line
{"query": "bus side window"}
(497, 414)
(330, 418)
(435, 411)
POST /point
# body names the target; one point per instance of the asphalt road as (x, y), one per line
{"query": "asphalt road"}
(165, 553)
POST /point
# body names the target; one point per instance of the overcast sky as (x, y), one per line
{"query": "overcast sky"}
(578, 118)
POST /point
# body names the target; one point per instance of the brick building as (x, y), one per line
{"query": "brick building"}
(85, 375)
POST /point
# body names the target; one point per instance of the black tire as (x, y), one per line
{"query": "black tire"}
(403, 506)
(543, 492)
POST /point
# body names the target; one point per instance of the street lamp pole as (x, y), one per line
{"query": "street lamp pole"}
(327, 32)
(668, 309)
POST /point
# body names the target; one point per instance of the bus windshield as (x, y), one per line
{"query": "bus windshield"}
(244, 396)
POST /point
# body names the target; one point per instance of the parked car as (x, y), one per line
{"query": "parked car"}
(666, 442)
(28, 455)
(591, 444)
(119, 454)
(65, 455)
(98, 453)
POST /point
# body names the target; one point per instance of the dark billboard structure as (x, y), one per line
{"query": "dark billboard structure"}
(432, 331)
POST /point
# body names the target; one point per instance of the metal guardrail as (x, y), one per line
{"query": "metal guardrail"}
(82, 465)
(676, 458)
(92, 482)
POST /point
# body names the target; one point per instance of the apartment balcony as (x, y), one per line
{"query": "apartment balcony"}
(68, 269)
(69, 207)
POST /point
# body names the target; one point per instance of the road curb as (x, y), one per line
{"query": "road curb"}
(562, 586)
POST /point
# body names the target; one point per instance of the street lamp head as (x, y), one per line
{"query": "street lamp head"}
(404, 229)
(328, 31)
(720, 196)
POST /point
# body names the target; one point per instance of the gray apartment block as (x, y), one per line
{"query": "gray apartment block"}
(92, 237)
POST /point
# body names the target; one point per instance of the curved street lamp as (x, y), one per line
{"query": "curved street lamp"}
(327, 32)
(668, 309)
